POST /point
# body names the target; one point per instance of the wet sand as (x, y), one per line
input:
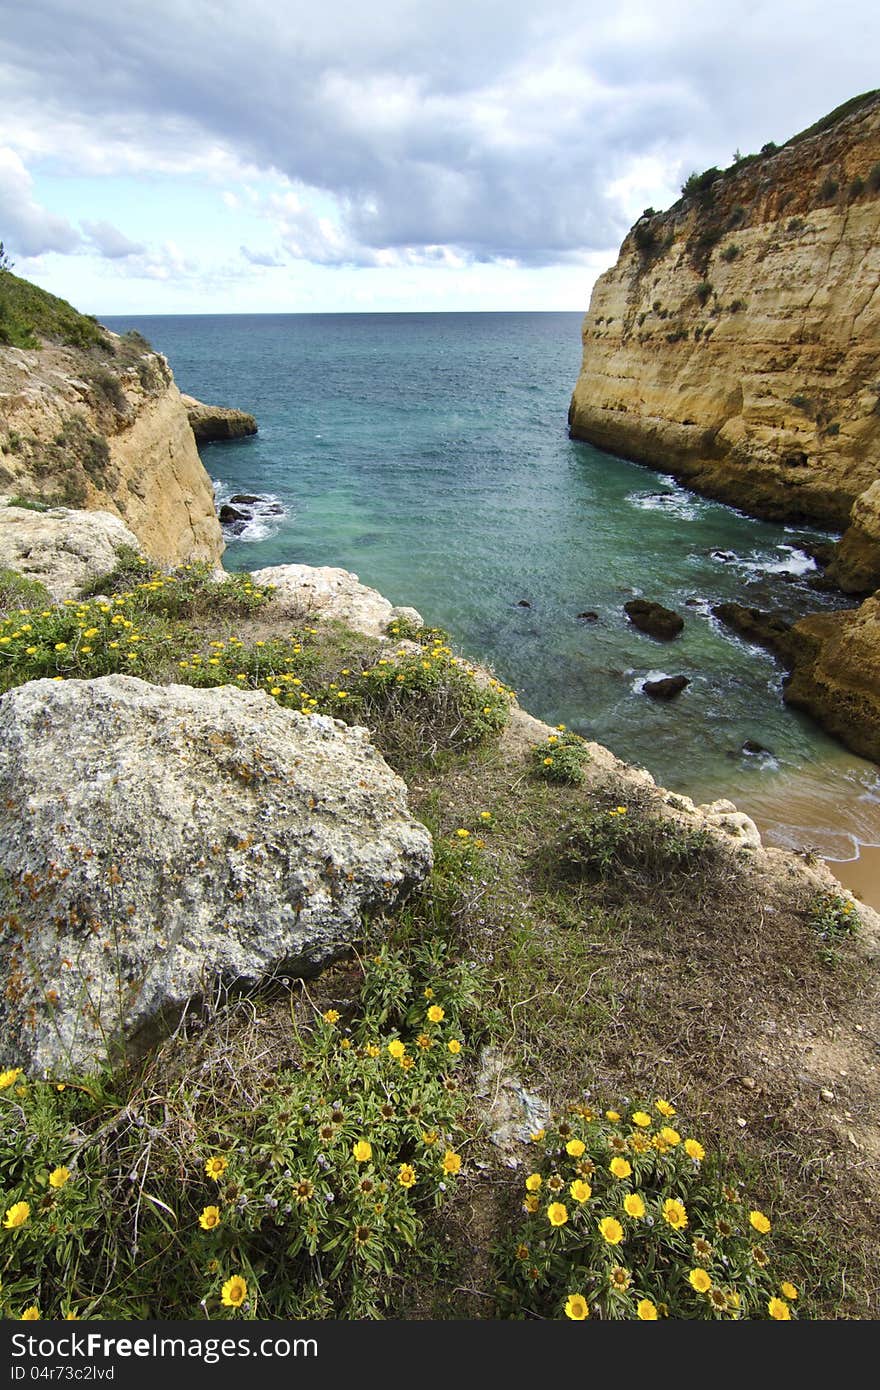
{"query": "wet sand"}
(861, 876)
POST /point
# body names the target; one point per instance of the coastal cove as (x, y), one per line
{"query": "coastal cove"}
(429, 454)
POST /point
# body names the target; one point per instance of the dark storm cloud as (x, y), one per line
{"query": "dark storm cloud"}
(491, 126)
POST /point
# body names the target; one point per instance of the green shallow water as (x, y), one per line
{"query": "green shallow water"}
(429, 454)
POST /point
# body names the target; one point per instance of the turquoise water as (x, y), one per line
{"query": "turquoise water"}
(428, 453)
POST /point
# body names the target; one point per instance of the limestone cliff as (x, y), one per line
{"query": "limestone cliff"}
(102, 426)
(736, 342)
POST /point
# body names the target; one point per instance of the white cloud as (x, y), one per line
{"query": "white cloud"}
(27, 228)
(110, 242)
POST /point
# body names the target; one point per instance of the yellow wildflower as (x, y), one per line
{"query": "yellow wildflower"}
(406, 1175)
(647, 1310)
(788, 1290)
(779, 1310)
(576, 1307)
(641, 1119)
(694, 1150)
(557, 1214)
(533, 1182)
(664, 1108)
(9, 1077)
(699, 1280)
(59, 1176)
(611, 1230)
(633, 1205)
(620, 1168)
(234, 1292)
(16, 1215)
(575, 1147)
(216, 1167)
(451, 1162)
(362, 1151)
(760, 1222)
(396, 1048)
(436, 1014)
(209, 1218)
(674, 1213)
(31, 1314)
(580, 1190)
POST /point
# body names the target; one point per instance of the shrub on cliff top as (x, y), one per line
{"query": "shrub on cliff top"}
(28, 314)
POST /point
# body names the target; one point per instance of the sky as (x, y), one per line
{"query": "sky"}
(211, 156)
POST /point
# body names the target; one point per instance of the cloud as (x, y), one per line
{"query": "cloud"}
(267, 258)
(27, 228)
(110, 242)
(498, 129)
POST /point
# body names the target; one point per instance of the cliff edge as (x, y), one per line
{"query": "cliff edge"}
(89, 419)
(736, 342)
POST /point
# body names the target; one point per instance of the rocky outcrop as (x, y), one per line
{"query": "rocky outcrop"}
(210, 423)
(162, 843)
(106, 429)
(836, 674)
(833, 661)
(736, 342)
(654, 619)
(65, 550)
(303, 590)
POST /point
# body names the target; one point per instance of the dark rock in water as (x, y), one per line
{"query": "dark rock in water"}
(692, 603)
(726, 556)
(228, 514)
(751, 745)
(654, 619)
(589, 616)
(246, 497)
(757, 626)
(823, 552)
(822, 584)
(523, 603)
(666, 687)
(235, 528)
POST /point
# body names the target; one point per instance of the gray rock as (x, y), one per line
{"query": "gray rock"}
(65, 550)
(161, 843)
(511, 1114)
(325, 592)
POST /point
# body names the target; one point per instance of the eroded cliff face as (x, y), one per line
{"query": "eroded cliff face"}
(736, 342)
(106, 429)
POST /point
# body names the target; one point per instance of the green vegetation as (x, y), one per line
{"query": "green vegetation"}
(730, 252)
(626, 1218)
(563, 758)
(28, 313)
(703, 291)
(828, 189)
(321, 1149)
(700, 185)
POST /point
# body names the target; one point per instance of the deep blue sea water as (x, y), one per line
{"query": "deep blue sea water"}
(428, 453)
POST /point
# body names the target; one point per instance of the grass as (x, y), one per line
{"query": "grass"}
(29, 314)
(605, 948)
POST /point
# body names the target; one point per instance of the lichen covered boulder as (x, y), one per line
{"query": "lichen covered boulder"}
(326, 592)
(158, 844)
(65, 550)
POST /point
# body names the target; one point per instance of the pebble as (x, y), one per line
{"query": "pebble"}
(748, 1083)
(825, 1094)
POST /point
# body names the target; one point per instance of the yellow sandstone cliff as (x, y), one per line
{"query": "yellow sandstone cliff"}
(104, 428)
(736, 342)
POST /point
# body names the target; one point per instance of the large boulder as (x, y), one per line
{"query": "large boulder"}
(162, 843)
(65, 550)
(323, 591)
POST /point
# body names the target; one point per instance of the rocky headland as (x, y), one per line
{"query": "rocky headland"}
(736, 345)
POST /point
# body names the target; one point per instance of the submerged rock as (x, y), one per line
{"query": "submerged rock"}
(654, 619)
(666, 687)
(758, 626)
(162, 843)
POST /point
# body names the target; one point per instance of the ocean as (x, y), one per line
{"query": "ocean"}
(429, 454)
